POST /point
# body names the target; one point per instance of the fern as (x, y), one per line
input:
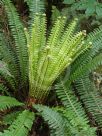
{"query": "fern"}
(8, 102)
(21, 126)
(44, 66)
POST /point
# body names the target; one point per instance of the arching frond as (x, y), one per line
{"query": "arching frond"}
(90, 97)
(8, 102)
(54, 120)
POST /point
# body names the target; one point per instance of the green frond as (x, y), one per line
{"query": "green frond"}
(8, 102)
(70, 101)
(77, 125)
(21, 126)
(84, 65)
(35, 6)
(61, 49)
(9, 118)
(56, 123)
(73, 111)
(17, 31)
(90, 97)
(95, 35)
(9, 56)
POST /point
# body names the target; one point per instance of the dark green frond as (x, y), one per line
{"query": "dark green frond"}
(90, 97)
(9, 118)
(17, 30)
(8, 102)
(9, 56)
(69, 100)
(3, 89)
(21, 126)
(85, 65)
(56, 123)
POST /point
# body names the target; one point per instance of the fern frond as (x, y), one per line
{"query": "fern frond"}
(69, 100)
(84, 65)
(9, 56)
(90, 97)
(35, 6)
(8, 102)
(9, 118)
(77, 125)
(5, 74)
(19, 38)
(4, 89)
(21, 126)
(54, 120)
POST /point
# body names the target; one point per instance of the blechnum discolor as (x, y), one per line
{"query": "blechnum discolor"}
(50, 55)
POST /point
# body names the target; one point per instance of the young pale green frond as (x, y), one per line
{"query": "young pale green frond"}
(8, 102)
(17, 31)
(90, 97)
(61, 49)
(21, 126)
(56, 123)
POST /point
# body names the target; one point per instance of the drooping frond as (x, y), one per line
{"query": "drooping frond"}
(56, 123)
(61, 121)
(9, 56)
(76, 125)
(21, 126)
(17, 31)
(69, 100)
(8, 102)
(84, 65)
(60, 50)
(73, 112)
(90, 97)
